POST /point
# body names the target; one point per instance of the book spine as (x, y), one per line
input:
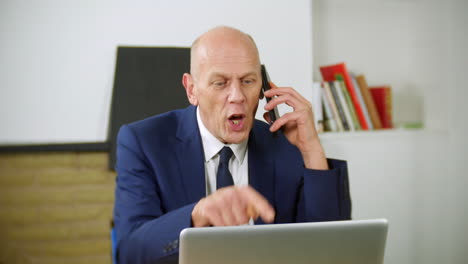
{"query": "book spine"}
(389, 108)
(329, 120)
(351, 107)
(383, 102)
(375, 119)
(344, 105)
(339, 106)
(316, 101)
(331, 101)
(361, 101)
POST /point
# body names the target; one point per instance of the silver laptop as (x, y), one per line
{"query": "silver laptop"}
(340, 242)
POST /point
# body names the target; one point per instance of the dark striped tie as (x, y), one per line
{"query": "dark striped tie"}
(224, 177)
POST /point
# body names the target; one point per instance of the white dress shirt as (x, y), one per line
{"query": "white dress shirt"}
(238, 164)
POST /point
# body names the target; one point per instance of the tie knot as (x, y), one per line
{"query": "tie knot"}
(225, 155)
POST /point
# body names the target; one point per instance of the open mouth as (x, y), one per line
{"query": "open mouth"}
(236, 119)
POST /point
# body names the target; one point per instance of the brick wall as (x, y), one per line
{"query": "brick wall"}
(55, 208)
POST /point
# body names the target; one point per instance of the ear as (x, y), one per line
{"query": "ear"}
(187, 81)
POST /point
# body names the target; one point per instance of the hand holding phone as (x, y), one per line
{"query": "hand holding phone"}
(274, 114)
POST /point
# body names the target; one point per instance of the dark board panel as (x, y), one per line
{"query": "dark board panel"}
(147, 81)
(66, 147)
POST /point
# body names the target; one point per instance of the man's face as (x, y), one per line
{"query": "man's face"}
(226, 88)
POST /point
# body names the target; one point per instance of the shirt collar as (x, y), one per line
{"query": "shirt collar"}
(211, 145)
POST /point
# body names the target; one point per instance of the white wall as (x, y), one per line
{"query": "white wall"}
(58, 57)
(458, 141)
(416, 179)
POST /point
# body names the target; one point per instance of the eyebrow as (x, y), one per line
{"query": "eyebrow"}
(221, 74)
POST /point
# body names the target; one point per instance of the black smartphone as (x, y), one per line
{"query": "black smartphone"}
(274, 114)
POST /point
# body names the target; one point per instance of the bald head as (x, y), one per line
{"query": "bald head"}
(222, 41)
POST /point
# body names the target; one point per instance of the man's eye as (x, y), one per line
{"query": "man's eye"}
(219, 84)
(247, 81)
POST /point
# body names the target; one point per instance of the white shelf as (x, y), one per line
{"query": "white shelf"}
(371, 133)
(384, 134)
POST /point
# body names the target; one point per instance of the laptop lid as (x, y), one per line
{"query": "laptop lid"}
(339, 242)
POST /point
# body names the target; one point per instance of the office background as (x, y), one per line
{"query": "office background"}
(57, 62)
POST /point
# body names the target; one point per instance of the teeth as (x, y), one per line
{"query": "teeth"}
(236, 122)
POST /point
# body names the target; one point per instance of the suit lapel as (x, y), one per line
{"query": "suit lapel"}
(190, 157)
(261, 171)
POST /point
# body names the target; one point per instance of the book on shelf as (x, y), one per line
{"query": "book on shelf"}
(331, 102)
(329, 73)
(349, 102)
(382, 96)
(329, 121)
(339, 106)
(344, 105)
(361, 101)
(316, 101)
(369, 101)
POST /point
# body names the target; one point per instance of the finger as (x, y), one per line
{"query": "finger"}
(273, 85)
(278, 91)
(228, 217)
(224, 205)
(259, 204)
(198, 215)
(289, 96)
(252, 213)
(239, 210)
(216, 219)
(287, 99)
(283, 120)
(212, 213)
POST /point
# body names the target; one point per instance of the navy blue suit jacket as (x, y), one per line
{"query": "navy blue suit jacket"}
(161, 176)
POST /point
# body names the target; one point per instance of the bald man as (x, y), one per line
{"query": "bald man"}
(170, 167)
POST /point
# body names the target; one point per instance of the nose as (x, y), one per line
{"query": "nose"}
(236, 94)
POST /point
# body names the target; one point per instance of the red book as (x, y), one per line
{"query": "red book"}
(382, 96)
(328, 74)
